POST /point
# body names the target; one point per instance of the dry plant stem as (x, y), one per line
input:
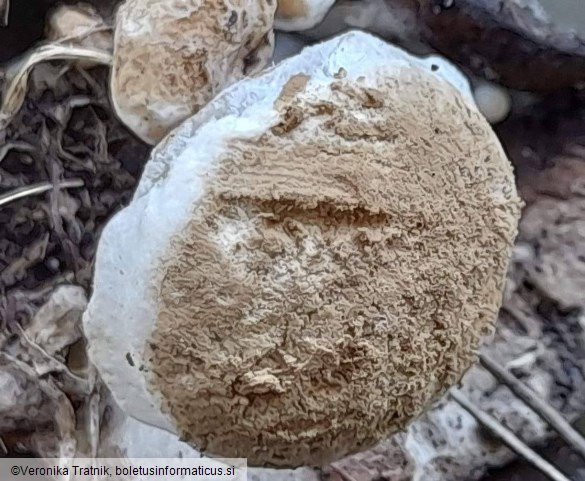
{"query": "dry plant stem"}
(18, 146)
(508, 438)
(549, 414)
(15, 91)
(37, 189)
(4, 12)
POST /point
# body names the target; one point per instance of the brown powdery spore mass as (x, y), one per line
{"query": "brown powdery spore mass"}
(338, 274)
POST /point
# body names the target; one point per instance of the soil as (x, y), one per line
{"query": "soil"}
(545, 139)
(65, 131)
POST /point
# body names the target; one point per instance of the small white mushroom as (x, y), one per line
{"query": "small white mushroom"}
(309, 261)
(297, 15)
(493, 101)
(171, 58)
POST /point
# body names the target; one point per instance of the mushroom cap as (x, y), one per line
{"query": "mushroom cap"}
(310, 261)
(171, 58)
(297, 15)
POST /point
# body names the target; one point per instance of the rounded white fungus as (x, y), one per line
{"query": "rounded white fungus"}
(171, 58)
(493, 101)
(310, 261)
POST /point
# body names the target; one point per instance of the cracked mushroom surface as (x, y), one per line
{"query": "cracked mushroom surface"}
(171, 58)
(310, 261)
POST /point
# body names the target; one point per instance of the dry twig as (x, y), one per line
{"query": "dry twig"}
(15, 91)
(37, 189)
(508, 438)
(14, 145)
(540, 407)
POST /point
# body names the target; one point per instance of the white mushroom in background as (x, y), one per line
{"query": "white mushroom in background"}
(309, 261)
(171, 58)
(297, 15)
(493, 101)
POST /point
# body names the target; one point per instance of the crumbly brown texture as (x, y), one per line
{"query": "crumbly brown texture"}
(171, 58)
(338, 275)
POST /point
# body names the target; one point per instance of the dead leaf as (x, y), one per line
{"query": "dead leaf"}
(57, 324)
